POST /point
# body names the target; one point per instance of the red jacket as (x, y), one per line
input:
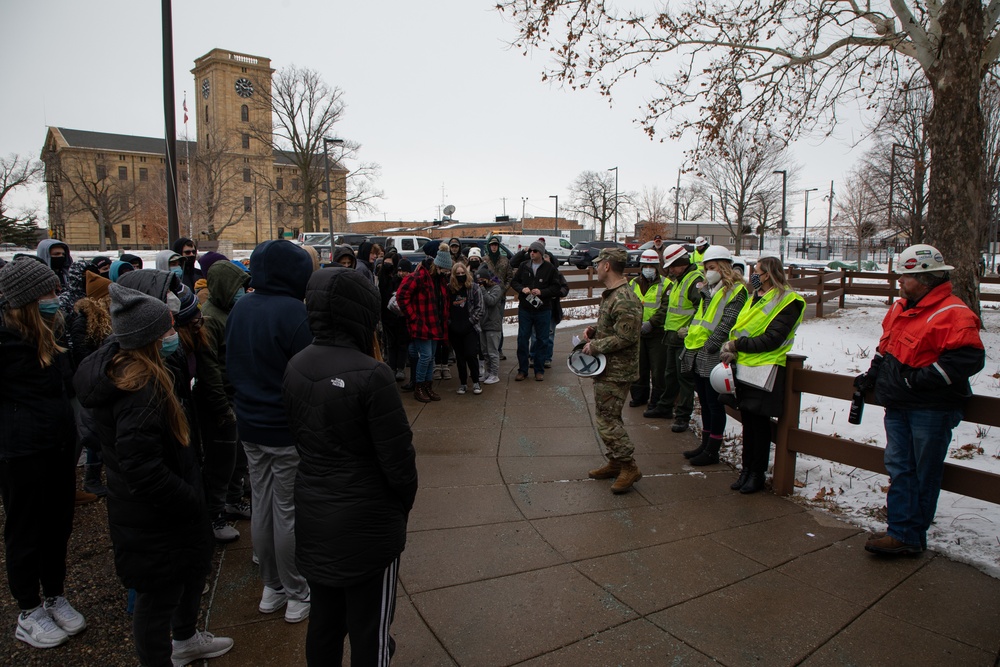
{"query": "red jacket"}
(425, 304)
(930, 351)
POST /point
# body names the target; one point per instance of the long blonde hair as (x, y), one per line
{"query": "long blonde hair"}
(453, 281)
(730, 278)
(98, 313)
(131, 370)
(773, 267)
(28, 321)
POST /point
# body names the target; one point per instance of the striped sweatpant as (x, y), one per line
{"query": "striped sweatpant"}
(363, 612)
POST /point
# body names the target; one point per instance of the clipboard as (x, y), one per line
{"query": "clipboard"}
(761, 377)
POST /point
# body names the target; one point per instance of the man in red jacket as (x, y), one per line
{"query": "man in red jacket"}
(929, 349)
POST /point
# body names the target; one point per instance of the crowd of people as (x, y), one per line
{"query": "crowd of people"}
(202, 380)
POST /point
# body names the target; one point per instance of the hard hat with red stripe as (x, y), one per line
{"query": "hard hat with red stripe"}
(672, 253)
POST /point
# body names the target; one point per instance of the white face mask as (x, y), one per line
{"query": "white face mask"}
(712, 277)
(649, 273)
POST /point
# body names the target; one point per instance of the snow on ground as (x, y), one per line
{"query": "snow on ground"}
(965, 529)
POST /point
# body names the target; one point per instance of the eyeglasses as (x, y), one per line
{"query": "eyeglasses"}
(188, 253)
(538, 251)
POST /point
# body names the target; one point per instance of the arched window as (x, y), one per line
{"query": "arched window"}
(245, 113)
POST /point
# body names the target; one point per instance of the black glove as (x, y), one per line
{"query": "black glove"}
(866, 381)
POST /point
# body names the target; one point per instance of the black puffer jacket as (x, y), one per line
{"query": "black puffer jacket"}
(156, 509)
(357, 477)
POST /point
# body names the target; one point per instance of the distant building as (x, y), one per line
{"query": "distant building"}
(240, 190)
(444, 229)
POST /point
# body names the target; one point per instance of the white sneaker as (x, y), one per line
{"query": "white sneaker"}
(476, 389)
(255, 559)
(39, 629)
(297, 610)
(461, 389)
(223, 532)
(491, 379)
(272, 600)
(240, 510)
(70, 620)
(201, 646)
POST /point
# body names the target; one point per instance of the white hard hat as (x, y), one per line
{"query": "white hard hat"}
(921, 258)
(740, 266)
(586, 365)
(717, 252)
(672, 253)
(475, 252)
(722, 380)
(649, 257)
(700, 241)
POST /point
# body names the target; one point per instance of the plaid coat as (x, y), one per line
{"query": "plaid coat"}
(425, 303)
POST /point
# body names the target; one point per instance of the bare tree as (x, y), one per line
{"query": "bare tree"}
(766, 214)
(788, 67)
(94, 189)
(653, 206)
(593, 196)
(301, 111)
(17, 171)
(218, 199)
(736, 174)
(859, 209)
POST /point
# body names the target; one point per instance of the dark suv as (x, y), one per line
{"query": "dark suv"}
(585, 252)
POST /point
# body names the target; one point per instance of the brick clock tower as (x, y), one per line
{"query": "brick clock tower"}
(232, 113)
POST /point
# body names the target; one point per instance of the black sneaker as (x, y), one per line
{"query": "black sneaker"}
(680, 425)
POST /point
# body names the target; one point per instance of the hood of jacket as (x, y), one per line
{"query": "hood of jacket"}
(178, 245)
(44, 251)
(152, 282)
(163, 259)
(343, 307)
(224, 281)
(279, 268)
(344, 251)
(93, 386)
(365, 251)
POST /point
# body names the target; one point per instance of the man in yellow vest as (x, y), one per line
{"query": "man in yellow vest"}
(650, 288)
(677, 310)
(700, 246)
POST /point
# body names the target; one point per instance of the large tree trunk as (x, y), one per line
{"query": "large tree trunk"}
(957, 207)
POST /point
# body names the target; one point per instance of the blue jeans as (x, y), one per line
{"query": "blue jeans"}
(529, 322)
(424, 351)
(916, 445)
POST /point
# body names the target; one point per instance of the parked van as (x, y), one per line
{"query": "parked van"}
(559, 247)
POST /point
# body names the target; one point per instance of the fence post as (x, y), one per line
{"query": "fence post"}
(819, 293)
(843, 287)
(892, 297)
(590, 280)
(784, 460)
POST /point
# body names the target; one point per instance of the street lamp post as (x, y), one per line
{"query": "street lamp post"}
(784, 195)
(615, 169)
(677, 206)
(326, 165)
(524, 200)
(556, 223)
(805, 222)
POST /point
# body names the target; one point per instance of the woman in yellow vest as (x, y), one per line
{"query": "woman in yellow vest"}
(759, 341)
(650, 288)
(722, 298)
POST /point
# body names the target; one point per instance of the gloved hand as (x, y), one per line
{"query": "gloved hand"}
(866, 381)
(727, 354)
(682, 332)
(646, 328)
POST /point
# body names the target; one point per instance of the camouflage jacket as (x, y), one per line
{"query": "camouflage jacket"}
(617, 338)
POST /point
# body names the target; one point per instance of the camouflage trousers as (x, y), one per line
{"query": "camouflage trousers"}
(610, 399)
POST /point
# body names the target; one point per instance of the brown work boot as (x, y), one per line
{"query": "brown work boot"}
(429, 388)
(609, 470)
(420, 393)
(82, 497)
(627, 476)
(887, 545)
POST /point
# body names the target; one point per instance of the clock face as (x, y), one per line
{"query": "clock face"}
(205, 88)
(244, 88)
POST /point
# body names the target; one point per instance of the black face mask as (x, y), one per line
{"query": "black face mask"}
(188, 260)
(57, 263)
(474, 265)
(461, 279)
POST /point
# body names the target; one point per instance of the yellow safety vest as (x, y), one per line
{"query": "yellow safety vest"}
(648, 306)
(707, 318)
(696, 257)
(754, 319)
(680, 309)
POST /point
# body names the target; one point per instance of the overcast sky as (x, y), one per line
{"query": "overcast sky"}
(434, 96)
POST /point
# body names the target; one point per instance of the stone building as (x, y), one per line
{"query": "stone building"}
(232, 185)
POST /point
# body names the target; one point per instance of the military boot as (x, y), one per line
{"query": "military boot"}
(609, 470)
(628, 476)
(691, 453)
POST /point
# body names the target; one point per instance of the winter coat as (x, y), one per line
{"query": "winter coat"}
(265, 329)
(471, 300)
(493, 304)
(156, 510)
(424, 300)
(545, 280)
(44, 253)
(357, 477)
(35, 411)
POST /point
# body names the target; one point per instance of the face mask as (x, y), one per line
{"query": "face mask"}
(461, 279)
(188, 259)
(239, 295)
(177, 271)
(712, 277)
(649, 273)
(169, 345)
(755, 281)
(57, 263)
(48, 306)
(474, 265)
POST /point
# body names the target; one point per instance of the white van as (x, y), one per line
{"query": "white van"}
(559, 247)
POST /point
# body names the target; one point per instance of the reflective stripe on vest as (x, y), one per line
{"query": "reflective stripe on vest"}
(754, 320)
(648, 307)
(680, 309)
(707, 319)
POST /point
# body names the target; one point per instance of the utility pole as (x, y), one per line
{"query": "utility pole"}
(784, 197)
(170, 118)
(615, 169)
(677, 207)
(829, 221)
(805, 223)
(504, 200)
(556, 223)
(524, 200)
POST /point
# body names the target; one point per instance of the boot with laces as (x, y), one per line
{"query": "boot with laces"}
(429, 388)
(609, 470)
(628, 476)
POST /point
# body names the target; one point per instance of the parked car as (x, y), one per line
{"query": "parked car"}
(560, 248)
(313, 238)
(353, 240)
(585, 252)
(468, 243)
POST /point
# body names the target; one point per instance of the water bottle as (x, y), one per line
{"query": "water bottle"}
(857, 408)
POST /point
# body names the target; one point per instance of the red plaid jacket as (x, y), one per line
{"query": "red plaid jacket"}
(425, 303)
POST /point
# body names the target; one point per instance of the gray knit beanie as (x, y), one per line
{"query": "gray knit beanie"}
(443, 260)
(25, 280)
(137, 319)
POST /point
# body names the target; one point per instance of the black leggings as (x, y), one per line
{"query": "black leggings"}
(466, 347)
(713, 413)
(756, 441)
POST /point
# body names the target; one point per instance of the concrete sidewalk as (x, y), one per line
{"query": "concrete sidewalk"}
(515, 557)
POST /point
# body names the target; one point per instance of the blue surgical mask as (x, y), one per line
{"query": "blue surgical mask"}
(178, 271)
(48, 306)
(169, 345)
(239, 295)
(755, 281)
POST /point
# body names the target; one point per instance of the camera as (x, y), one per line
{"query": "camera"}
(857, 408)
(533, 301)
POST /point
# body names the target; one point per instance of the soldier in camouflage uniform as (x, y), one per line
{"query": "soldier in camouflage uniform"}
(616, 336)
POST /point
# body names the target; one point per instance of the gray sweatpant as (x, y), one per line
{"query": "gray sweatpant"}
(489, 343)
(272, 521)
